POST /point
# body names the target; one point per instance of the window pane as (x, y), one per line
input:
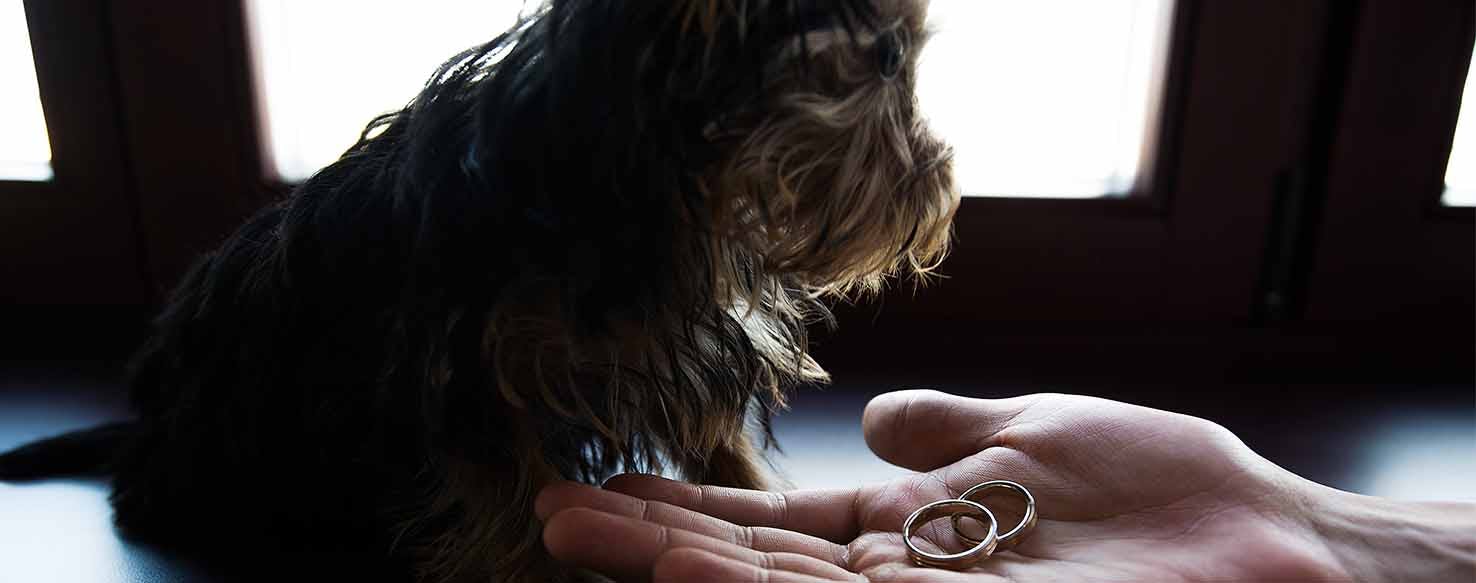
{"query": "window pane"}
(326, 67)
(1460, 170)
(1044, 98)
(1047, 98)
(25, 149)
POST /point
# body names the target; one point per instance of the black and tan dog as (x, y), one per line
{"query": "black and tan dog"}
(590, 245)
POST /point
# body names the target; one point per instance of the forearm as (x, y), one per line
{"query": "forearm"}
(1376, 539)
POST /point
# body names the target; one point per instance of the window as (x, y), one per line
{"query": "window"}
(1460, 170)
(1047, 98)
(324, 69)
(1040, 99)
(25, 149)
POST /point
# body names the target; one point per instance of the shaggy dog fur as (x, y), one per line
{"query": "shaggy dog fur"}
(590, 245)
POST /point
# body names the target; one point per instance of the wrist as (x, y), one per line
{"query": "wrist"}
(1378, 539)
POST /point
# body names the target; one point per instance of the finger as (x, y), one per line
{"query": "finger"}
(582, 537)
(924, 430)
(688, 565)
(827, 514)
(563, 495)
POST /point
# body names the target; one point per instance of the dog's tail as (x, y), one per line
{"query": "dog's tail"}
(86, 452)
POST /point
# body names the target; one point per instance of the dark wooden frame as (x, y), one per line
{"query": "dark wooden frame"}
(188, 100)
(1388, 254)
(42, 258)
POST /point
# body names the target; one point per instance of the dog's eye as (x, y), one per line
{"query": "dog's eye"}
(889, 54)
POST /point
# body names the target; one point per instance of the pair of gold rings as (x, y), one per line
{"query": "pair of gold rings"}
(965, 507)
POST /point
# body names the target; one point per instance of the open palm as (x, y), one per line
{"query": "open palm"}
(1124, 492)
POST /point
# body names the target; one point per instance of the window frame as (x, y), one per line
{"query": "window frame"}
(41, 259)
(1392, 255)
(173, 159)
(1209, 72)
(1159, 203)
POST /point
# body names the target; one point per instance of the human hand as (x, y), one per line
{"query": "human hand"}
(1124, 492)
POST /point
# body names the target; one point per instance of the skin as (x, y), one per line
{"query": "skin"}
(1124, 493)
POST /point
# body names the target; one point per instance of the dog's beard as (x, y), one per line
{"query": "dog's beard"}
(836, 180)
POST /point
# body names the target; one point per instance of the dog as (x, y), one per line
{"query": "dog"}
(590, 245)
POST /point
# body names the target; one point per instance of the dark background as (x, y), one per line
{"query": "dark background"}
(1283, 268)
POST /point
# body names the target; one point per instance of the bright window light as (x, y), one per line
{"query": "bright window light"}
(1044, 98)
(1460, 170)
(1418, 455)
(325, 68)
(25, 149)
(1048, 98)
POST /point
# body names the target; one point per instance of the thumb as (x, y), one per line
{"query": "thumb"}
(923, 430)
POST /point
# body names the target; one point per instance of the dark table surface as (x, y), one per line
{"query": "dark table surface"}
(1411, 442)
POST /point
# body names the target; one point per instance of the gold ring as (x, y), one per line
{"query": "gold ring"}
(1009, 539)
(955, 507)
